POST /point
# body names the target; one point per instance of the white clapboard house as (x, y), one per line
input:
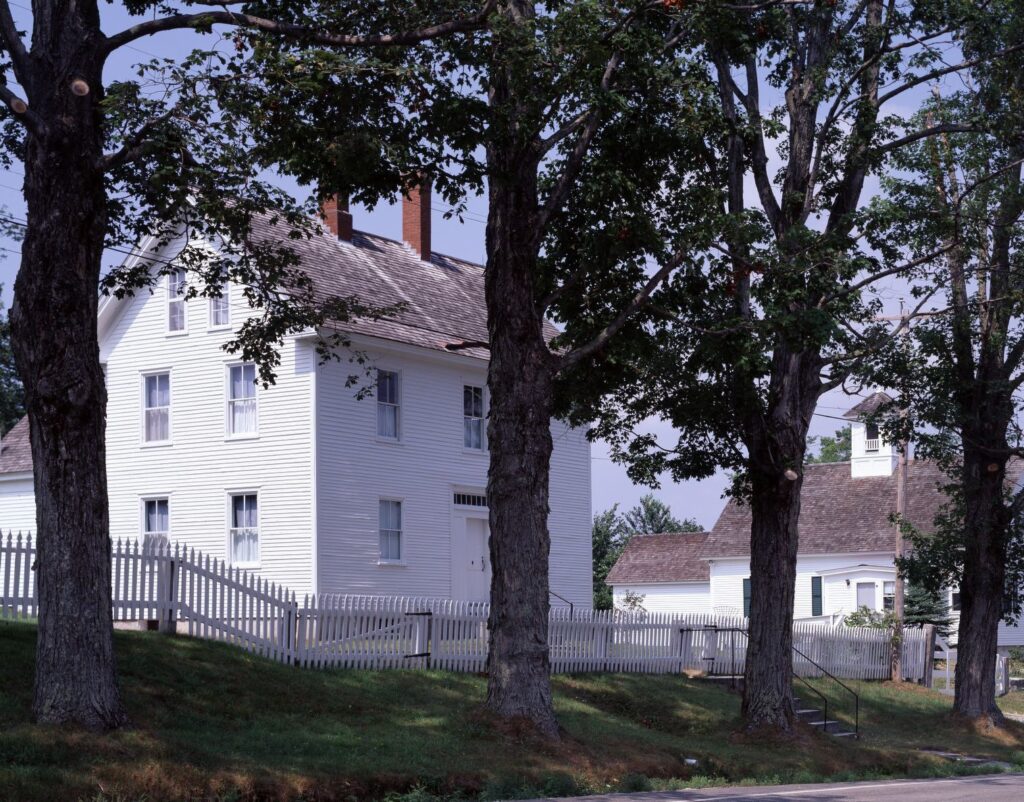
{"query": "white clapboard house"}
(846, 556)
(303, 482)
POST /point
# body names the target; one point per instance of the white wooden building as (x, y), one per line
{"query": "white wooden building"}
(303, 481)
(846, 550)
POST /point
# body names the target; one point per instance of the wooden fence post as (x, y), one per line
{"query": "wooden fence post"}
(929, 655)
(169, 597)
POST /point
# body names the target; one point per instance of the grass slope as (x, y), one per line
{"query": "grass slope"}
(210, 722)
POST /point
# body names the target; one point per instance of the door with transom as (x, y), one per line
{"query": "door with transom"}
(471, 557)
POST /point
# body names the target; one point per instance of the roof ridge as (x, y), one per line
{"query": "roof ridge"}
(663, 534)
(403, 244)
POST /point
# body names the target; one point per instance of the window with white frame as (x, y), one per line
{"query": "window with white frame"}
(156, 425)
(245, 529)
(390, 530)
(473, 417)
(176, 300)
(387, 404)
(156, 523)
(888, 595)
(242, 407)
(220, 308)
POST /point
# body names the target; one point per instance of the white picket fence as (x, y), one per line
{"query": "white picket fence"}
(943, 678)
(184, 590)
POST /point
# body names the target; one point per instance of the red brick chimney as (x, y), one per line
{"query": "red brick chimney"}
(337, 217)
(416, 218)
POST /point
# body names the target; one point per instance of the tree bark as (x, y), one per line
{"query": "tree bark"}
(55, 343)
(776, 441)
(986, 520)
(520, 378)
(768, 674)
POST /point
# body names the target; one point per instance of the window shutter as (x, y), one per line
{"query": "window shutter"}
(746, 597)
(815, 595)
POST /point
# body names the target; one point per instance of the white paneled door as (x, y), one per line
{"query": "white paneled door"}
(472, 558)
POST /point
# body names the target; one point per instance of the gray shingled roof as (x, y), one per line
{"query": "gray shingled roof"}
(841, 515)
(444, 297)
(869, 406)
(675, 557)
(15, 451)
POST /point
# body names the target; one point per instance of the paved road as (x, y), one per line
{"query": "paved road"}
(991, 788)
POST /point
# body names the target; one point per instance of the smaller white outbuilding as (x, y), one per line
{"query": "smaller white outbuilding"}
(847, 541)
(17, 497)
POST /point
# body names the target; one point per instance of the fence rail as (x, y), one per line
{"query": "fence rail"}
(185, 590)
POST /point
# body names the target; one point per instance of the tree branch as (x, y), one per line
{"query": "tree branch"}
(15, 47)
(28, 118)
(135, 145)
(759, 160)
(302, 33)
(944, 128)
(576, 355)
(888, 272)
(574, 163)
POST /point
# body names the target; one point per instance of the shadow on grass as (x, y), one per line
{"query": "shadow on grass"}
(209, 721)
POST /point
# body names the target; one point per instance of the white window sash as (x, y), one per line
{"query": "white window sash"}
(244, 533)
(472, 417)
(388, 404)
(220, 309)
(387, 420)
(390, 529)
(243, 407)
(176, 313)
(156, 416)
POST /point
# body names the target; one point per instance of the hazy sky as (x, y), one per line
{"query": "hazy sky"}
(699, 500)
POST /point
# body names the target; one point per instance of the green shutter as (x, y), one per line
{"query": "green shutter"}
(746, 597)
(815, 595)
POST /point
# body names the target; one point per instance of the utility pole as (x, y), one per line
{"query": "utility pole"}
(902, 450)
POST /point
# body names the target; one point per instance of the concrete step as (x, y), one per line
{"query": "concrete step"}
(831, 726)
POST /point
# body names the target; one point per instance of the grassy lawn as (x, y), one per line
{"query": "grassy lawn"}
(1013, 702)
(210, 722)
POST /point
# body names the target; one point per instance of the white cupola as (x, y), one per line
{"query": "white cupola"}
(870, 453)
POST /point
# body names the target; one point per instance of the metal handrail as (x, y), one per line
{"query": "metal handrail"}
(821, 668)
(841, 684)
(819, 694)
(571, 605)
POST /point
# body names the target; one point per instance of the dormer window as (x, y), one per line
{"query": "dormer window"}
(872, 440)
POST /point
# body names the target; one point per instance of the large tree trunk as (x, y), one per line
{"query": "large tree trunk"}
(776, 443)
(520, 380)
(56, 350)
(986, 519)
(768, 674)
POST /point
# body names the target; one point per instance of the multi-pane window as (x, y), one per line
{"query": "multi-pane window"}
(176, 300)
(888, 595)
(387, 404)
(242, 409)
(473, 417)
(157, 408)
(156, 523)
(816, 595)
(220, 308)
(245, 529)
(872, 438)
(390, 530)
